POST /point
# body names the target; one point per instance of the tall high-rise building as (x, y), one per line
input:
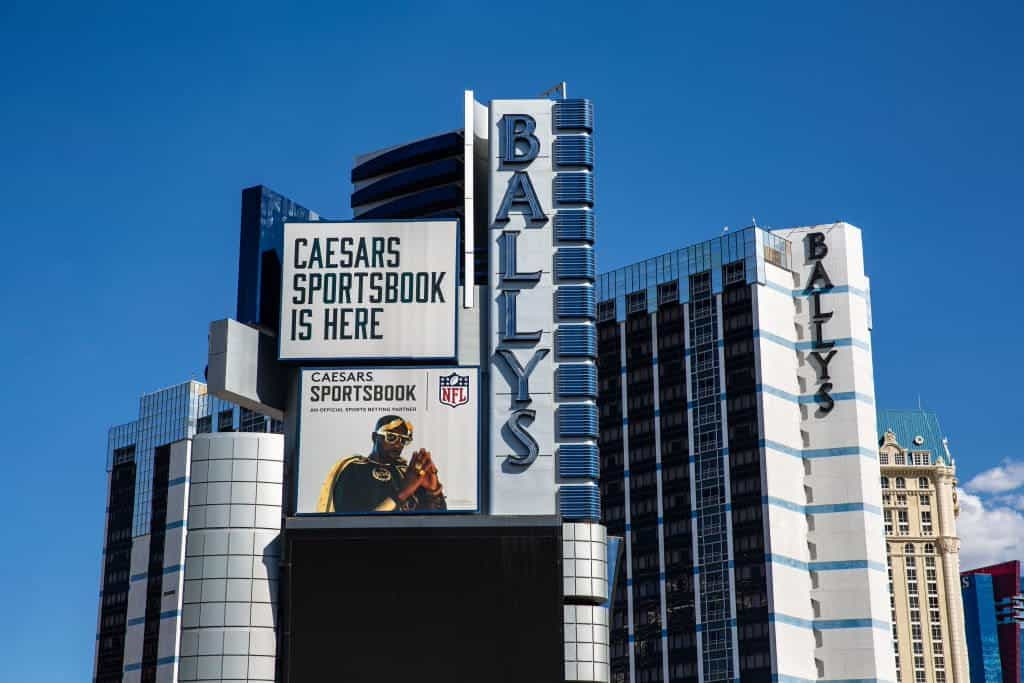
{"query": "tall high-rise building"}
(920, 508)
(739, 461)
(160, 595)
(994, 616)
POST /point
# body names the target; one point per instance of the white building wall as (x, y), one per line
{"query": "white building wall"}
(232, 558)
(844, 559)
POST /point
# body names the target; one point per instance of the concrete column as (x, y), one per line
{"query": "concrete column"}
(949, 549)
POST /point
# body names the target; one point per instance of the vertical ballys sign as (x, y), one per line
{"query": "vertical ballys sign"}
(822, 350)
(543, 378)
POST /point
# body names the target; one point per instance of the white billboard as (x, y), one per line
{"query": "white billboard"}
(369, 290)
(388, 440)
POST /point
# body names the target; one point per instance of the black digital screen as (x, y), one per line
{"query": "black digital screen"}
(453, 604)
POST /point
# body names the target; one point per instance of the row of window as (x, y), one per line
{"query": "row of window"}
(901, 483)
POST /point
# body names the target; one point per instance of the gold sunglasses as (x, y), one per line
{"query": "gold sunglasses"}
(393, 437)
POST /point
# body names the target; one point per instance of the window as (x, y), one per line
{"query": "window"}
(225, 421)
(900, 460)
(914, 602)
(908, 549)
(606, 310)
(204, 425)
(925, 499)
(915, 615)
(885, 482)
(636, 302)
(886, 499)
(904, 522)
(901, 499)
(915, 631)
(901, 483)
(936, 632)
(934, 616)
(883, 458)
(668, 292)
(926, 522)
(888, 522)
(922, 482)
(929, 549)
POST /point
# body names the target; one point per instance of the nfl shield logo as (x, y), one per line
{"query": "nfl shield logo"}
(454, 390)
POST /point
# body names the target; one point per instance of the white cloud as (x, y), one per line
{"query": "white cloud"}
(989, 532)
(1008, 476)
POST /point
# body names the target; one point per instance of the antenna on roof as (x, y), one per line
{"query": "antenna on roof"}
(919, 402)
(754, 220)
(725, 229)
(561, 89)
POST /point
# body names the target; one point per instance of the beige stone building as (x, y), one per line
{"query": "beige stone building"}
(920, 509)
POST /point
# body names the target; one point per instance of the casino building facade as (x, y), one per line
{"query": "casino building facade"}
(190, 464)
(739, 461)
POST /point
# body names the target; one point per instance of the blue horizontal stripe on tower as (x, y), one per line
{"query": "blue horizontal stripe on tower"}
(835, 565)
(578, 461)
(574, 188)
(577, 420)
(576, 380)
(159, 662)
(170, 614)
(579, 503)
(822, 508)
(574, 225)
(817, 452)
(573, 150)
(841, 342)
(805, 399)
(575, 114)
(575, 263)
(814, 398)
(575, 301)
(578, 341)
(828, 624)
(799, 293)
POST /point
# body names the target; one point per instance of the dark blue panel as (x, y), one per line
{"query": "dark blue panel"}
(578, 461)
(574, 225)
(433, 201)
(577, 420)
(419, 152)
(573, 115)
(579, 341)
(574, 188)
(579, 503)
(576, 380)
(574, 150)
(575, 263)
(575, 301)
(980, 628)
(428, 175)
(261, 248)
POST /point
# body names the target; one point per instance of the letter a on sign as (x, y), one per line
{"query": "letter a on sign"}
(453, 390)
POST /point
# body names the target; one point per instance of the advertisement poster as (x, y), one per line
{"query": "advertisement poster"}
(369, 290)
(402, 440)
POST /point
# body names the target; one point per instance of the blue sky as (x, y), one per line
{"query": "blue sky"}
(127, 133)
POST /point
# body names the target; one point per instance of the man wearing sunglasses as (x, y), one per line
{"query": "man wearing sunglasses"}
(383, 481)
